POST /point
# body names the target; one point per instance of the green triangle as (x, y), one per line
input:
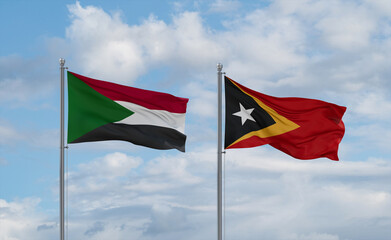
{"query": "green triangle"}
(88, 109)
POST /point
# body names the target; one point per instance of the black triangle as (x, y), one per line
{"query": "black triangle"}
(233, 124)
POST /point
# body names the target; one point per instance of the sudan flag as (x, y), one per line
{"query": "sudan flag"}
(303, 128)
(99, 110)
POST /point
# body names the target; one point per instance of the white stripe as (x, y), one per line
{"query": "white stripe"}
(145, 116)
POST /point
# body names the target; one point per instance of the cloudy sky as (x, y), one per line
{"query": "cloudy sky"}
(336, 51)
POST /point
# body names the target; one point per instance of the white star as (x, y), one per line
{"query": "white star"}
(244, 114)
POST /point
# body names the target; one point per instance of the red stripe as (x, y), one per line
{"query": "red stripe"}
(146, 98)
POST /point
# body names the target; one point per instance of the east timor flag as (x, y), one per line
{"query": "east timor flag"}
(303, 128)
(99, 110)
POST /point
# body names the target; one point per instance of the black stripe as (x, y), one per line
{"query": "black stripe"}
(144, 135)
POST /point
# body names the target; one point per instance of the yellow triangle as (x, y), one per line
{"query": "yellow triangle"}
(281, 126)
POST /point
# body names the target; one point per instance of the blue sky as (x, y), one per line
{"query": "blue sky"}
(337, 51)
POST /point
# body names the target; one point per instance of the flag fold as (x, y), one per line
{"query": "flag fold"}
(303, 128)
(100, 110)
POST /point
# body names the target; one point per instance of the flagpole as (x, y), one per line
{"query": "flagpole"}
(219, 153)
(62, 232)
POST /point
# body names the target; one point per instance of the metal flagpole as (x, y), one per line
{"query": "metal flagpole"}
(62, 232)
(219, 153)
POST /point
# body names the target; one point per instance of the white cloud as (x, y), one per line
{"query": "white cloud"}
(262, 45)
(372, 105)
(203, 101)
(381, 7)
(12, 134)
(20, 219)
(165, 219)
(371, 136)
(11, 86)
(110, 166)
(289, 48)
(311, 48)
(122, 53)
(175, 196)
(8, 133)
(104, 44)
(311, 236)
(347, 25)
(23, 81)
(304, 46)
(224, 6)
(304, 199)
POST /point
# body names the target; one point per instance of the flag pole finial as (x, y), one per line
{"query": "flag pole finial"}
(62, 61)
(219, 67)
